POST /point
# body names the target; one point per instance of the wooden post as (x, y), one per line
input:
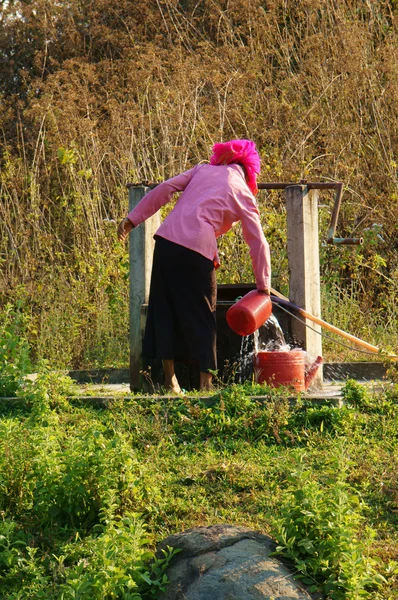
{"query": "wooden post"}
(303, 257)
(141, 245)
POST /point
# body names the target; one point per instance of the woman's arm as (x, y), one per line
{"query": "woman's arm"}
(158, 197)
(259, 247)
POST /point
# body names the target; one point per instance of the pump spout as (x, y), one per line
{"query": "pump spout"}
(312, 371)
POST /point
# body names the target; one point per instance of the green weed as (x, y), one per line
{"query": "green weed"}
(14, 350)
(85, 493)
(321, 529)
(114, 563)
(234, 415)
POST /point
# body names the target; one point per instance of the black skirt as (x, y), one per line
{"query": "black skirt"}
(181, 320)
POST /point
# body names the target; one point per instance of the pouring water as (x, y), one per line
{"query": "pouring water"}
(269, 337)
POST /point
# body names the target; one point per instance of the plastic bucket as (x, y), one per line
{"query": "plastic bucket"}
(281, 368)
(249, 313)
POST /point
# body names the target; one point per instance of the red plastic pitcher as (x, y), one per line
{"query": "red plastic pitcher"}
(249, 313)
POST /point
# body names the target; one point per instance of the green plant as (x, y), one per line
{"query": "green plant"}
(330, 419)
(358, 396)
(11, 542)
(321, 530)
(86, 493)
(115, 563)
(47, 391)
(14, 350)
(234, 414)
(20, 567)
(83, 486)
(112, 562)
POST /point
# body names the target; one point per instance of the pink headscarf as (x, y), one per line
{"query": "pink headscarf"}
(239, 151)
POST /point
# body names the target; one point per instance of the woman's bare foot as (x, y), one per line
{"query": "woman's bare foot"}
(206, 381)
(170, 379)
(173, 386)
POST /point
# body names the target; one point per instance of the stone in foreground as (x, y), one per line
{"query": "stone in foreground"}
(223, 562)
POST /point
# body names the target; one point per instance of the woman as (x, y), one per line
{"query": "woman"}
(181, 321)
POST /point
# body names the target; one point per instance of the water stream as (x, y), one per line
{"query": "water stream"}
(245, 360)
(269, 337)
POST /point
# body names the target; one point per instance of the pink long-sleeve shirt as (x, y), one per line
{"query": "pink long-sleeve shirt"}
(213, 199)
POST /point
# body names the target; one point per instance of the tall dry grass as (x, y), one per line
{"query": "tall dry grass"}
(109, 94)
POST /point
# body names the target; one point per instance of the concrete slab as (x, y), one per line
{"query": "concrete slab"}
(361, 371)
(104, 395)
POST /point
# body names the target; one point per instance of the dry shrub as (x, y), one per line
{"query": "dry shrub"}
(110, 93)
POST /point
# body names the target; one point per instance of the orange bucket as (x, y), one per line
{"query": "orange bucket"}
(249, 313)
(285, 368)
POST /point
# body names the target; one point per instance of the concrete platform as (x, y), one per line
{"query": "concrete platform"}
(332, 372)
(104, 394)
(329, 395)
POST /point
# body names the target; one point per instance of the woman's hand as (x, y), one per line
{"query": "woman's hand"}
(125, 226)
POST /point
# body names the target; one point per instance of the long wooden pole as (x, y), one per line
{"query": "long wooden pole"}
(282, 300)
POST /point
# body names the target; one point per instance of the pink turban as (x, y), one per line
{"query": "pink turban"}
(239, 151)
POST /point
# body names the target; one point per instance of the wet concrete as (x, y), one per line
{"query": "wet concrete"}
(332, 372)
(103, 395)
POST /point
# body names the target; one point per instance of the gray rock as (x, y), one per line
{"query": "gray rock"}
(223, 562)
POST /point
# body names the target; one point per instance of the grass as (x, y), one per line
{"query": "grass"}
(79, 484)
